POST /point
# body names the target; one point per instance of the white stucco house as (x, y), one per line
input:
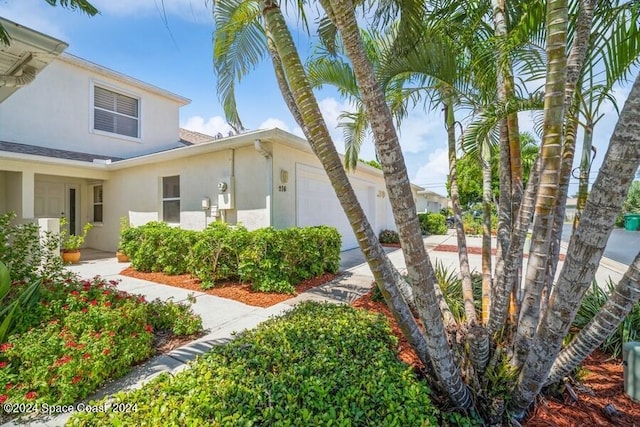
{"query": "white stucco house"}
(428, 201)
(82, 141)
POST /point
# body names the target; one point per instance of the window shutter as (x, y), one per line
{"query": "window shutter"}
(115, 113)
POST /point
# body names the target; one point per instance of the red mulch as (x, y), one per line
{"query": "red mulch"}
(602, 385)
(474, 250)
(232, 290)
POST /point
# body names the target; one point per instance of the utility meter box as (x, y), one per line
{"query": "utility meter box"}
(631, 368)
(226, 193)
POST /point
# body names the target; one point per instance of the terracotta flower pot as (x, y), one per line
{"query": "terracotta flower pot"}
(71, 257)
(122, 257)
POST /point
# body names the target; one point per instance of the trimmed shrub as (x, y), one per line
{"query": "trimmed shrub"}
(319, 364)
(216, 254)
(272, 260)
(157, 246)
(389, 236)
(276, 260)
(433, 223)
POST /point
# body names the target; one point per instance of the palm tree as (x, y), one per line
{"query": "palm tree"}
(420, 271)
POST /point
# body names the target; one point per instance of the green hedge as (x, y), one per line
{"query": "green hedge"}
(272, 260)
(319, 364)
(433, 223)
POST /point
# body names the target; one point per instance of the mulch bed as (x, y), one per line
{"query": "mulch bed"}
(602, 386)
(241, 292)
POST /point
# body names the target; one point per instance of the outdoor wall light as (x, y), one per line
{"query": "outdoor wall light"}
(284, 176)
(206, 203)
(222, 186)
(381, 194)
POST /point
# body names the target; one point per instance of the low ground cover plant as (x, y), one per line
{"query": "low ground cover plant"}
(271, 260)
(319, 364)
(80, 334)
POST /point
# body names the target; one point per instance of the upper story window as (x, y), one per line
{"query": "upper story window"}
(116, 113)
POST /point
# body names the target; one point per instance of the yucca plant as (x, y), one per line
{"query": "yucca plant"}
(628, 330)
(25, 297)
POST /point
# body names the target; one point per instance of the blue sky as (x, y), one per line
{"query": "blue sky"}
(172, 49)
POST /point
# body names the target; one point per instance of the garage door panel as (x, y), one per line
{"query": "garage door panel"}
(317, 203)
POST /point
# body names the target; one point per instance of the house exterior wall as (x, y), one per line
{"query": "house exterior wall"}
(56, 111)
(139, 189)
(284, 202)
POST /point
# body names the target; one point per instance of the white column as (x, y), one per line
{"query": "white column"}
(28, 194)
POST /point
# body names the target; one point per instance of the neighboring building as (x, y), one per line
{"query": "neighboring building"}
(428, 201)
(93, 145)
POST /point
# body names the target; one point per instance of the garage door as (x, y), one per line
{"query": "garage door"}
(317, 203)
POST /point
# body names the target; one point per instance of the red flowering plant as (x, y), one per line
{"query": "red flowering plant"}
(81, 334)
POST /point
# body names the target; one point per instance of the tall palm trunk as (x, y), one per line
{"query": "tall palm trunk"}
(550, 153)
(513, 259)
(487, 198)
(419, 268)
(575, 65)
(585, 168)
(463, 256)
(585, 249)
(306, 109)
(619, 304)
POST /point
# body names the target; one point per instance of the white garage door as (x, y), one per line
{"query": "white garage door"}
(317, 203)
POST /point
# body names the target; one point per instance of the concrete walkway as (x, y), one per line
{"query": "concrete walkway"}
(222, 318)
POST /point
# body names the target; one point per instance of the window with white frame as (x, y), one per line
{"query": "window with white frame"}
(114, 112)
(171, 199)
(97, 203)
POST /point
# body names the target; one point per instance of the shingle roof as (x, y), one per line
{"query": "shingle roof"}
(189, 137)
(14, 147)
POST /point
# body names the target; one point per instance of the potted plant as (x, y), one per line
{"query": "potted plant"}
(120, 254)
(70, 243)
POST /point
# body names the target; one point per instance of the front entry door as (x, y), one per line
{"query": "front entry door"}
(55, 200)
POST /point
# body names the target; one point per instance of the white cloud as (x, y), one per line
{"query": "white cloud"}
(433, 174)
(212, 126)
(271, 123)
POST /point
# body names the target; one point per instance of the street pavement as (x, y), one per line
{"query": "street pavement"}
(623, 245)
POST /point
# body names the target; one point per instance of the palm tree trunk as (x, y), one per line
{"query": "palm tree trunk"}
(419, 268)
(487, 198)
(575, 64)
(585, 249)
(550, 153)
(585, 168)
(513, 259)
(624, 297)
(463, 255)
(500, 296)
(317, 133)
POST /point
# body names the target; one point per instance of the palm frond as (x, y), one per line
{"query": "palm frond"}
(82, 5)
(333, 71)
(354, 131)
(486, 122)
(239, 44)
